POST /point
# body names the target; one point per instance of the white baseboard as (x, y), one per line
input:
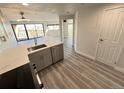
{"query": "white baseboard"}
(115, 66)
(119, 68)
(85, 55)
(93, 58)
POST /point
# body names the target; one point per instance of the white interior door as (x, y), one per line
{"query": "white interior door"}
(111, 36)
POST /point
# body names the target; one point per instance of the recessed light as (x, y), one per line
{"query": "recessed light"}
(25, 4)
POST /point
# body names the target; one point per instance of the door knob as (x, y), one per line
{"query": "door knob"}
(101, 39)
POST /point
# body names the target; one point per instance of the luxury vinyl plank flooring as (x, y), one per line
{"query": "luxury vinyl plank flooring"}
(78, 72)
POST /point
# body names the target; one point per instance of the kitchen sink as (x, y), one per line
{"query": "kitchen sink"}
(36, 47)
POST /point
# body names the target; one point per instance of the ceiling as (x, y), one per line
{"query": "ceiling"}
(41, 11)
(14, 14)
(38, 11)
(59, 8)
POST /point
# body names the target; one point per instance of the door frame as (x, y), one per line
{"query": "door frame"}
(61, 18)
(100, 30)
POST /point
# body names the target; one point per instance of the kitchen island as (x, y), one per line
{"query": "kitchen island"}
(15, 61)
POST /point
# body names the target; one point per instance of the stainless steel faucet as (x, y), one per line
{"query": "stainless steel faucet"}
(35, 41)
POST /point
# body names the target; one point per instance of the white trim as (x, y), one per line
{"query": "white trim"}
(116, 67)
(75, 30)
(119, 68)
(85, 55)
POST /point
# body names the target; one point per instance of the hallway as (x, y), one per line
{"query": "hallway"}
(76, 71)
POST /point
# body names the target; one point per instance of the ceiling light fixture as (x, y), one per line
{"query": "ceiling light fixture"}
(25, 4)
(22, 17)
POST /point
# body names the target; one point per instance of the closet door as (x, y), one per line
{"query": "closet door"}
(111, 36)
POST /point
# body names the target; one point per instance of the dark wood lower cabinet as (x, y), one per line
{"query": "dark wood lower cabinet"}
(19, 78)
(24, 77)
(8, 80)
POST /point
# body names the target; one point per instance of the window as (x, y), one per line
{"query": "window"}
(53, 27)
(31, 31)
(20, 32)
(39, 29)
(27, 31)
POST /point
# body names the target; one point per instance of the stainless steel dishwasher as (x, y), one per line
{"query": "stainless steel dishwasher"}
(57, 53)
(37, 82)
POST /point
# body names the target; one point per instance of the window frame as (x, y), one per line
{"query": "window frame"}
(53, 25)
(27, 31)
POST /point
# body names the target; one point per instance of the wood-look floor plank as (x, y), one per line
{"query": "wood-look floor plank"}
(104, 66)
(90, 83)
(100, 75)
(76, 71)
(111, 71)
(109, 75)
(91, 75)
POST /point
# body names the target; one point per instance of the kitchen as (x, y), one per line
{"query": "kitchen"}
(16, 59)
(61, 46)
(22, 57)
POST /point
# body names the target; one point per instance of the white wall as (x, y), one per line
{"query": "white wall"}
(6, 29)
(87, 21)
(87, 30)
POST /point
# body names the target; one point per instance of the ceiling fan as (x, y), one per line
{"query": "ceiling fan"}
(22, 19)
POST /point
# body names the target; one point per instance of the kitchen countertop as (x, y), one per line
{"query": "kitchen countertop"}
(15, 57)
(48, 43)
